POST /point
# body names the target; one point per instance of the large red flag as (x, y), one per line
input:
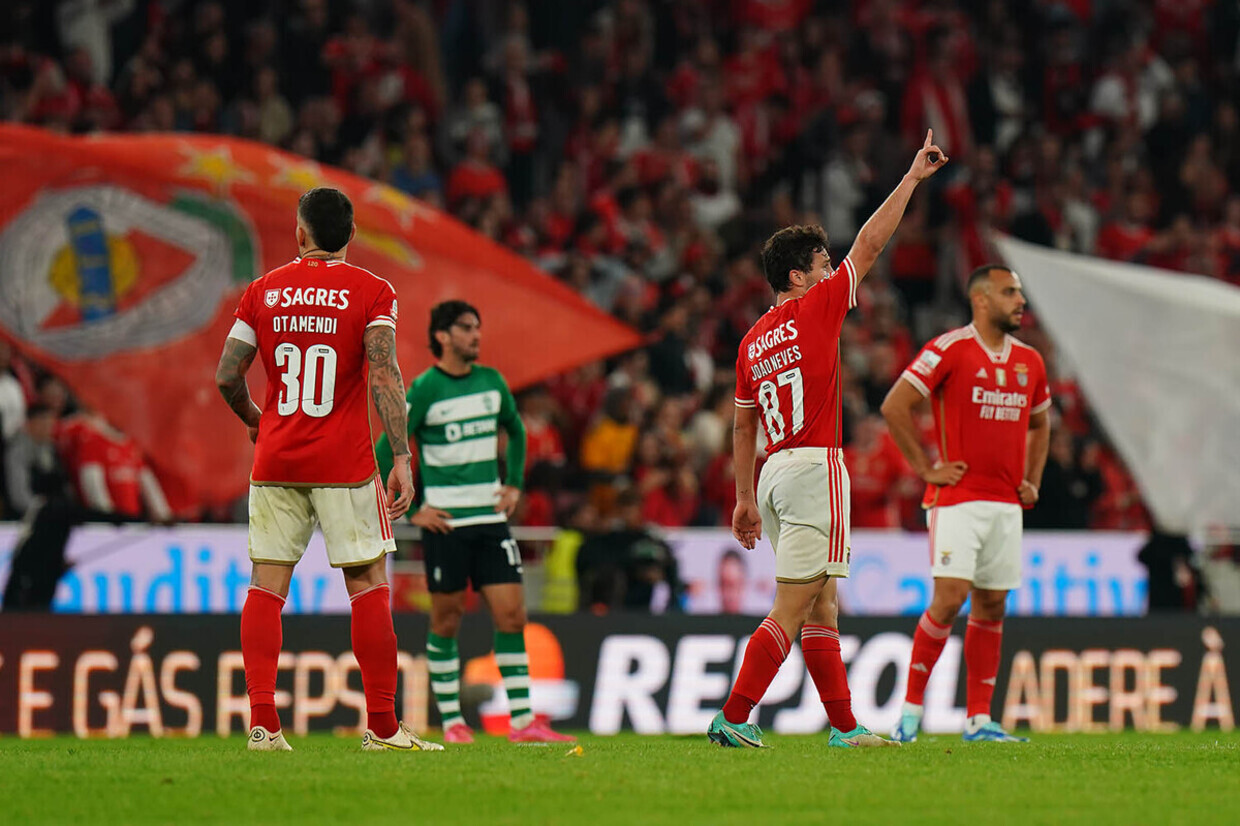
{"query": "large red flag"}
(122, 258)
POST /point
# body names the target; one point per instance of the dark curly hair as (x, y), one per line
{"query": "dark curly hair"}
(443, 316)
(792, 248)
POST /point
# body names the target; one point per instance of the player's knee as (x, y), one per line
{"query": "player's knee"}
(510, 620)
(989, 605)
(446, 622)
(947, 604)
(827, 611)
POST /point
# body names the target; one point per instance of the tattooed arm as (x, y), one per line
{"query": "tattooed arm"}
(230, 379)
(387, 388)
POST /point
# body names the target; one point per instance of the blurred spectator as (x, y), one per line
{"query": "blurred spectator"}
(111, 474)
(86, 25)
(628, 567)
(475, 114)
(713, 206)
(672, 500)
(416, 174)
(275, 116)
(560, 588)
(879, 476)
(12, 396)
(669, 363)
(475, 178)
(31, 466)
(1174, 581)
(607, 447)
(1071, 484)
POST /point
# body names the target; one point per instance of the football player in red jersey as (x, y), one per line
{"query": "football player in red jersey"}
(325, 332)
(990, 399)
(787, 382)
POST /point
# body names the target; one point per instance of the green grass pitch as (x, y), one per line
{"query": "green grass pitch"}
(1094, 779)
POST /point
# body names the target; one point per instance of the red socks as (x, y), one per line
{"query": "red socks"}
(261, 636)
(982, 642)
(374, 645)
(820, 646)
(928, 642)
(766, 652)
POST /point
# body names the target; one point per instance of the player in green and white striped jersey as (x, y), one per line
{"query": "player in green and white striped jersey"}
(456, 410)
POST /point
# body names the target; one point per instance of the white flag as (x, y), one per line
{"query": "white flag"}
(1158, 357)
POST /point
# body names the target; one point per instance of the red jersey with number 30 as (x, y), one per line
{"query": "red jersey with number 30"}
(982, 401)
(307, 320)
(788, 364)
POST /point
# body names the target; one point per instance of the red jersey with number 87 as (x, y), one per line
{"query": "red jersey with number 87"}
(981, 401)
(788, 365)
(307, 320)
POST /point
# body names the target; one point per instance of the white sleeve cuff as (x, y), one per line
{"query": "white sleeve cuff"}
(244, 332)
(851, 272)
(1045, 405)
(746, 403)
(916, 382)
(382, 321)
(156, 502)
(94, 484)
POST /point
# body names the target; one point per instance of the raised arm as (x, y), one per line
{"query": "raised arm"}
(235, 361)
(387, 388)
(878, 230)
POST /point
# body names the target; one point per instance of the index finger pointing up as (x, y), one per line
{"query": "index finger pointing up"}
(929, 139)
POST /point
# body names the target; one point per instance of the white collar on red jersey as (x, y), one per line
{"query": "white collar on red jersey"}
(997, 358)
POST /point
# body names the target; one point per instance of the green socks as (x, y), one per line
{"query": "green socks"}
(445, 667)
(514, 667)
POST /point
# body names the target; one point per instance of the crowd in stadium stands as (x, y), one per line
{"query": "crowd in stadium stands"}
(641, 150)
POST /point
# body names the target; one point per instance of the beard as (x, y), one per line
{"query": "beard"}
(468, 356)
(1007, 324)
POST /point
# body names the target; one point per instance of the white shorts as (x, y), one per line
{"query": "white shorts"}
(803, 499)
(356, 528)
(978, 541)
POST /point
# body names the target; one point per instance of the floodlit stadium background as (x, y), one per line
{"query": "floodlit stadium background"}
(596, 177)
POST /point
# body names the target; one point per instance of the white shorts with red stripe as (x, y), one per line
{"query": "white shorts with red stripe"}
(978, 541)
(356, 528)
(803, 497)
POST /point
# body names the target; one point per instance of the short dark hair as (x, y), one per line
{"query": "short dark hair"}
(443, 316)
(981, 274)
(328, 216)
(792, 248)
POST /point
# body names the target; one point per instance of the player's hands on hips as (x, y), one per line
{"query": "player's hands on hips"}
(923, 165)
(508, 498)
(945, 473)
(399, 488)
(747, 524)
(431, 519)
(1028, 493)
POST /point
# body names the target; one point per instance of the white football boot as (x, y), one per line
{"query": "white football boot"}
(263, 740)
(403, 740)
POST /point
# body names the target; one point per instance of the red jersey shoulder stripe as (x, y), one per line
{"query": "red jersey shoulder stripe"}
(951, 337)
